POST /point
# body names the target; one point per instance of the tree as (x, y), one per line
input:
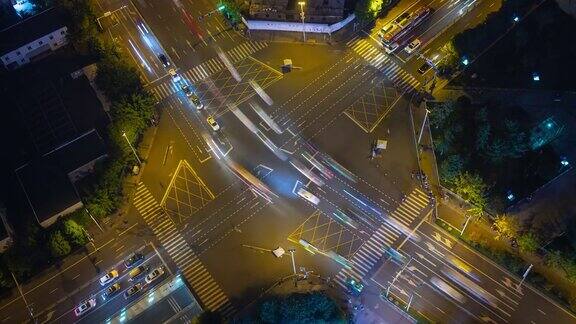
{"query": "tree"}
(516, 139)
(268, 311)
(59, 246)
(450, 59)
(554, 259)
(367, 10)
(75, 232)
(451, 167)
(506, 226)
(528, 242)
(440, 114)
(471, 188)
(117, 78)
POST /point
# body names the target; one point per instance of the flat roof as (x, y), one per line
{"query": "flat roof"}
(45, 180)
(32, 28)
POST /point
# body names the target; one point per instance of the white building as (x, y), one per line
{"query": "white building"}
(27, 40)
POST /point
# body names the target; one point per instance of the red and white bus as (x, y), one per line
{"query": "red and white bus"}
(403, 24)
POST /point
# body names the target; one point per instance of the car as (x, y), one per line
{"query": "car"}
(133, 260)
(212, 122)
(174, 75)
(354, 286)
(111, 291)
(414, 44)
(308, 196)
(187, 90)
(164, 60)
(385, 29)
(391, 48)
(85, 306)
(425, 67)
(109, 277)
(132, 290)
(154, 274)
(196, 101)
(138, 272)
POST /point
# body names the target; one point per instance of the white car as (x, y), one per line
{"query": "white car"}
(212, 122)
(410, 48)
(85, 306)
(308, 196)
(174, 75)
(154, 274)
(109, 277)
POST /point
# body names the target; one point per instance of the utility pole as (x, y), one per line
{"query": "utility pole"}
(302, 3)
(422, 128)
(524, 277)
(131, 147)
(294, 267)
(465, 224)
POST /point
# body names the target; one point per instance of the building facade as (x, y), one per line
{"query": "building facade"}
(315, 11)
(31, 38)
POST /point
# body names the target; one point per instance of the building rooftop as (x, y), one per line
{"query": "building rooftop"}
(31, 28)
(46, 181)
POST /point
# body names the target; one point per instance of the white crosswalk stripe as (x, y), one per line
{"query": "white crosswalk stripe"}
(205, 69)
(204, 286)
(402, 80)
(371, 251)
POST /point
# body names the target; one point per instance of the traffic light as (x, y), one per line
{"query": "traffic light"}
(221, 7)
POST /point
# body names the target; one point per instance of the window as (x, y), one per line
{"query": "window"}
(6, 58)
(40, 42)
(51, 37)
(62, 32)
(18, 53)
(29, 47)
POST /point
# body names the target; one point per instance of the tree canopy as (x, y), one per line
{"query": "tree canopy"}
(298, 308)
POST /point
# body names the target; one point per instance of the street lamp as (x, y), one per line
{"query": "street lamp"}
(302, 3)
(294, 266)
(131, 147)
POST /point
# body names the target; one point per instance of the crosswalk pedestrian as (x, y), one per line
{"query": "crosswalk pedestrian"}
(208, 68)
(371, 251)
(379, 60)
(204, 286)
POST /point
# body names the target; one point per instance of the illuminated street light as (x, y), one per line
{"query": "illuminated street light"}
(465, 60)
(535, 77)
(302, 3)
(510, 196)
(131, 147)
(564, 161)
(516, 19)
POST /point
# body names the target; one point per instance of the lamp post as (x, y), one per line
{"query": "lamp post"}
(422, 128)
(302, 3)
(294, 266)
(131, 147)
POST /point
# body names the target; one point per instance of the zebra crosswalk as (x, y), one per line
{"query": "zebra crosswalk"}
(205, 287)
(378, 59)
(210, 67)
(386, 235)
